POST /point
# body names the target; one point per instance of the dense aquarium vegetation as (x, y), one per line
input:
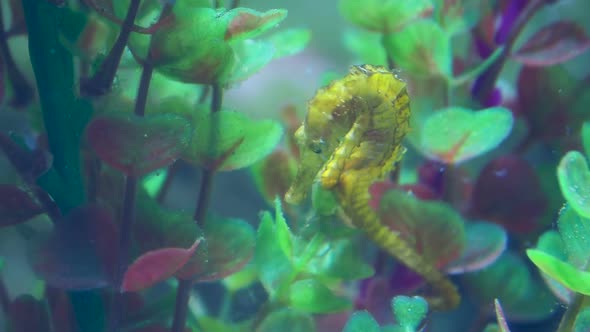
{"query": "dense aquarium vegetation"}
(351, 165)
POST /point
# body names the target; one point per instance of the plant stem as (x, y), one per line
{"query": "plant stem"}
(569, 318)
(487, 82)
(234, 4)
(184, 286)
(128, 213)
(127, 218)
(181, 308)
(101, 82)
(4, 298)
(23, 92)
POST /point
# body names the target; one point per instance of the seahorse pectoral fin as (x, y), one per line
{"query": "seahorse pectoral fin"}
(310, 164)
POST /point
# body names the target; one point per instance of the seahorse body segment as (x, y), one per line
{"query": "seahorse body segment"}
(350, 138)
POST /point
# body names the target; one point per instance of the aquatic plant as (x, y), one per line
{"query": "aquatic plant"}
(411, 188)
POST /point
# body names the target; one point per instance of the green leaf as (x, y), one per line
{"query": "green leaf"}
(251, 57)
(366, 46)
(236, 142)
(409, 311)
(340, 260)
(273, 265)
(310, 295)
(153, 182)
(323, 201)
(241, 279)
(551, 243)
(284, 235)
(582, 322)
(384, 16)
(207, 323)
(290, 41)
(361, 321)
(454, 135)
(567, 274)
(192, 49)
(574, 181)
(586, 138)
(422, 49)
(287, 319)
(244, 23)
(575, 232)
(228, 246)
(509, 280)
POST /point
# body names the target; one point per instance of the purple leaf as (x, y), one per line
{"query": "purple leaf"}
(508, 192)
(80, 251)
(16, 206)
(28, 314)
(553, 44)
(155, 266)
(138, 145)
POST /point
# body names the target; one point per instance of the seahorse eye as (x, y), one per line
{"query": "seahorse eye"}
(317, 145)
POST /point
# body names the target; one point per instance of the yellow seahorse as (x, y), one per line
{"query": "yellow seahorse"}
(351, 137)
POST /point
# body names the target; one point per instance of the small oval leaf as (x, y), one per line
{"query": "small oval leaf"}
(567, 274)
(455, 134)
(155, 266)
(553, 44)
(574, 181)
(287, 319)
(362, 321)
(248, 23)
(310, 295)
(138, 145)
(485, 243)
(216, 134)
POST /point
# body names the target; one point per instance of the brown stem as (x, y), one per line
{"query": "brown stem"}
(127, 218)
(183, 292)
(23, 92)
(181, 307)
(489, 78)
(234, 4)
(128, 214)
(102, 81)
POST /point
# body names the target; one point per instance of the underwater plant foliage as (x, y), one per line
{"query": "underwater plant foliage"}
(351, 165)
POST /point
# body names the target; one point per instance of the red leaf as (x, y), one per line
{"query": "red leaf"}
(155, 266)
(247, 22)
(138, 145)
(553, 44)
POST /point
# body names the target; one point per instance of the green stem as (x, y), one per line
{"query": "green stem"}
(23, 92)
(183, 292)
(569, 318)
(102, 81)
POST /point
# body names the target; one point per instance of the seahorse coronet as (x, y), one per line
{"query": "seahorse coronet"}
(361, 121)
